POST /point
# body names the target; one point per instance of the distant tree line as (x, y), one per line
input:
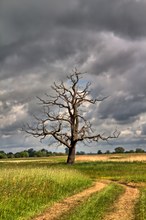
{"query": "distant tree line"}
(29, 153)
(45, 153)
(120, 150)
(117, 150)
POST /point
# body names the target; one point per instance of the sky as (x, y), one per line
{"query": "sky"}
(42, 41)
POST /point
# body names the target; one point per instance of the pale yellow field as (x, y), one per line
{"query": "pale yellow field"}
(112, 157)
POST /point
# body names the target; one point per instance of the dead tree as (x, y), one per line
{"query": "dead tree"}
(63, 118)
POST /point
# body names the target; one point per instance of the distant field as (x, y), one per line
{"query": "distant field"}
(113, 157)
(129, 157)
(29, 186)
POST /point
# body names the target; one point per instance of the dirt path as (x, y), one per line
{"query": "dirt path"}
(124, 208)
(59, 208)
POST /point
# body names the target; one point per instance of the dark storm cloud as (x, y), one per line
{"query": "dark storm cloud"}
(24, 25)
(144, 129)
(42, 41)
(122, 108)
(35, 53)
(34, 31)
(29, 35)
(30, 17)
(123, 17)
(118, 62)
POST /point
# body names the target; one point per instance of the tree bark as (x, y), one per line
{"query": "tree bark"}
(71, 155)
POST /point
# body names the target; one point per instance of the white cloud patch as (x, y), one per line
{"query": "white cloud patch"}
(18, 112)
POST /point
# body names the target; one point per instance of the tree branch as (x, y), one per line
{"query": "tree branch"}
(61, 117)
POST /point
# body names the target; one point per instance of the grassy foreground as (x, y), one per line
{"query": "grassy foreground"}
(141, 206)
(28, 186)
(24, 191)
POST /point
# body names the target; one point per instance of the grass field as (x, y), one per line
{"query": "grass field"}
(26, 190)
(28, 186)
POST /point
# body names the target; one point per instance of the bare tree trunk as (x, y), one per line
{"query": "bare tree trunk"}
(71, 155)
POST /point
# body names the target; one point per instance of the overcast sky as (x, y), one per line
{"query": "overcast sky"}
(42, 41)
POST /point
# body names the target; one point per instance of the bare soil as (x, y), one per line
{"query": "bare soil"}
(64, 206)
(123, 209)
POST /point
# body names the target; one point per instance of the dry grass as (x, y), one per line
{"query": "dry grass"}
(113, 157)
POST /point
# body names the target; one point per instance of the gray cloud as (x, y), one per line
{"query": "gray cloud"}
(122, 17)
(42, 41)
(122, 108)
(144, 129)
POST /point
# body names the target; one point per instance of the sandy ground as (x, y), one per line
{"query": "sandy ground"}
(112, 157)
(124, 208)
(60, 208)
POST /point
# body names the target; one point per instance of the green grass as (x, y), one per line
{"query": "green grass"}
(117, 171)
(28, 186)
(97, 205)
(27, 191)
(141, 206)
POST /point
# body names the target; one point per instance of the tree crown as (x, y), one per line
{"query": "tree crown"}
(62, 116)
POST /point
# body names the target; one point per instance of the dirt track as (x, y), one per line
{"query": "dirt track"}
(124, 208)
(59, 208)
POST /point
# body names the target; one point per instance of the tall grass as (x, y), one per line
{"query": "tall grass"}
(141, 206)
(27, 191)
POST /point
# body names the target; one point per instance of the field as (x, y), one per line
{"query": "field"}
(95, 187)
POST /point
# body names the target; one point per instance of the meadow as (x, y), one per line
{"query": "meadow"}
(29, 186)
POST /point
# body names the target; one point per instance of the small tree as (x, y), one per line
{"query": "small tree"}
(139, 150)
(3, 155)
(24, 154)
(31, 152)
(99, 152)
(10, 155)
(107, 152)
(119, 150)
(63, 116)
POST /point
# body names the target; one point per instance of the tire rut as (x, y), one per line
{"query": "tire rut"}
(64, 206)
(123, 208)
